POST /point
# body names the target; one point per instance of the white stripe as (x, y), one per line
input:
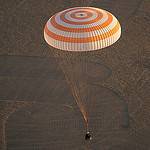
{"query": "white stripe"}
(68, 17)
(83, 46)
(101, 21)
(80, 8)
(82, 34)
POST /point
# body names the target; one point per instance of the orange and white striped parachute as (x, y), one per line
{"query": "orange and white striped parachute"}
(82, 29)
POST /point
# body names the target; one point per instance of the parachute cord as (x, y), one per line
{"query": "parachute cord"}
(65, 64)
(87, 126)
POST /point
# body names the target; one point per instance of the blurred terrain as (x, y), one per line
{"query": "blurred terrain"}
(37, 109)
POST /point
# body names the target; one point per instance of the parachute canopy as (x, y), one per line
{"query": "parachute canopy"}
(82, 29)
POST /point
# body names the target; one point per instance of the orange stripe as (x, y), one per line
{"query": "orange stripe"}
(63, 28)
(83, 40)
(89, 14)
(99, 17)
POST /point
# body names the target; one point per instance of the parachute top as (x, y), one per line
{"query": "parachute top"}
(82, 29)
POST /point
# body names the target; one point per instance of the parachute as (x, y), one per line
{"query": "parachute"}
(74, 34)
